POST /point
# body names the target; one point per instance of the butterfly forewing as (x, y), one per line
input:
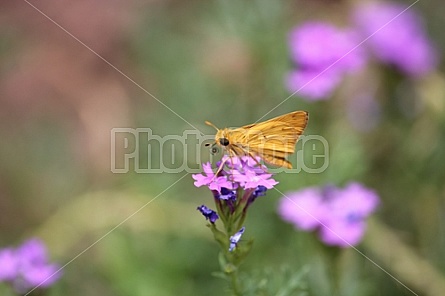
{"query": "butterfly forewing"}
(272, 140)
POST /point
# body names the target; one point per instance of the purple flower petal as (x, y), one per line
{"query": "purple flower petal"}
(9, 264)
(318, 45)
(305, 208)
(251, 179)
(32, 252)
(312, 85)
(341, 233)
(201, 179)
(210, 180)
(28, 266)
(355, 199)
(42, 275)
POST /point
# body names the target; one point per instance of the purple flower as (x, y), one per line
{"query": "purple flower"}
(243, 172)
(322, 54)
(318, 45)
(339, 214)
(32, 252)
(246, 172)
(210, 180)
(312, 84)
(27, 266)
(399, 39)
(234, 239)
(305, 208)
(347, 210)
(34, 265)
(250, 180)
(43, 275)
(210, 215)
(9, 264)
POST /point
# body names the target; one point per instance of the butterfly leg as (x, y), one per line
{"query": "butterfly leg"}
(251, 155)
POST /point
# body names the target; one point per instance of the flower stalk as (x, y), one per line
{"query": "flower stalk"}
(235, 187)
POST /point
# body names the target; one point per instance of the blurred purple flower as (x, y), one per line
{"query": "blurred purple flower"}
(339, 214)
(32, 252)
(27, 266)
(9, 265)
(234, 239)
(312, 84)
(316, 47)
(400, 38)
(304, 208)
(34, 266)
(347, 210)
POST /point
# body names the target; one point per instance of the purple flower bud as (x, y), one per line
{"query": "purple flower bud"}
(210, 215)
(227, 194)
(234, 239)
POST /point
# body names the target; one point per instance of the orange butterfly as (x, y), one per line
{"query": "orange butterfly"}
(272, 140)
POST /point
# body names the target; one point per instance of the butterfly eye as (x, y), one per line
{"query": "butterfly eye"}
(224, 141)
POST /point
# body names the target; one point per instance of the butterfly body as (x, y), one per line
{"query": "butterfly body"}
(272, 140)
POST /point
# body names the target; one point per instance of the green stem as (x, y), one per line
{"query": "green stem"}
(235, 283)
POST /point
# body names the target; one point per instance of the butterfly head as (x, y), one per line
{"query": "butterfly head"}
(220, 139)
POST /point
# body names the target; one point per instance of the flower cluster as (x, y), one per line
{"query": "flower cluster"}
(235, 186)
(323, 53)
(338, 214)
(27, 266)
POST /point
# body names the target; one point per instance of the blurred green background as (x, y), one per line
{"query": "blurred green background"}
(223, 61)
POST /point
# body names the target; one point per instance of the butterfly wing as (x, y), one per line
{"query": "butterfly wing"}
(272, 140)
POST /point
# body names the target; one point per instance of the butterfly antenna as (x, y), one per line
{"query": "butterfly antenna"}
(211, 124)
